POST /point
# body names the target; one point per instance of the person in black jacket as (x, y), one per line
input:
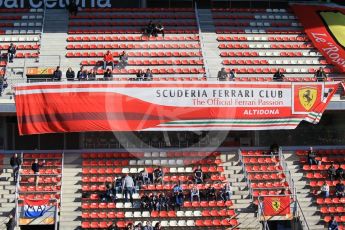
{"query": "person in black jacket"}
(278, 76)
(113, 227)
(70, 75)
(73, 8)
(108, 75)
(11, 223)
(11, 52)
(222, 75)
(320, 75)
(57, 74)
(140, 75)
(35, 167)
(15, 163)
(91, 75)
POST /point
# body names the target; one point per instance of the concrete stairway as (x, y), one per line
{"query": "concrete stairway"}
(246, 214)
(7, 193)
(70, 215)
(208, 36)
(54, 42)
(305, 198)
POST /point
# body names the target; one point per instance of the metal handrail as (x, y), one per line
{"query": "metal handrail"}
(286, 171)
(202, 44)
(17, 191)
(301, 211)
(245, 174)
(61, 194)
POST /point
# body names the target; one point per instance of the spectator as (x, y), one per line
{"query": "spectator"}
(194, 192)
(148, 75)
(129, 226)
(154, 203)
(73, 8)
(108, 75)
(128, 188)
(158, 226)
(2, 80)
(331, 172)
(325, 190)
(320, 75)
(140, 75)
(211, 193)
(339, 189)
(332, 224)
(108, 59)
(274, 149)
(149, 30)
(178, 195)
(159, 29)
(11, 52)
(113, 227)
(226, 192)
(109, 194)
(11, 223)
(283, 191)
(15, 163)
(278, 76)
(3, 84)
(232, 75)
(312, 157)
(158, 175)
(139, 226)
(163, 202)
(82, 74)
(148, 225)
(36, 169)
(91, 75)
(144, 202)
(123, 60)
(198, 175)
(340, 173)
(222, 75)
(117, 185)
(70, 74)
(57, 74)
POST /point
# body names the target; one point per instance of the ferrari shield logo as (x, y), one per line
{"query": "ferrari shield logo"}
(276, 205)
(307, 97)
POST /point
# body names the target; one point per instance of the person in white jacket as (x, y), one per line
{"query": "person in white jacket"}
(325, 190)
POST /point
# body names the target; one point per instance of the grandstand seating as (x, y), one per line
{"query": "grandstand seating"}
(256, 42)
(49, 183)
(265, 174)
(92, 32)
(99, 168)
(23, 28)
(317, 175)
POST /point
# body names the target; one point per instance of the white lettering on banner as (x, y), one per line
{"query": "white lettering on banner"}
(332, 51)
(54, 3)
(261, 112)
(318, 37)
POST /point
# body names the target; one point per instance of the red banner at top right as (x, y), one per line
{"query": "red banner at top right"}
(325, 27)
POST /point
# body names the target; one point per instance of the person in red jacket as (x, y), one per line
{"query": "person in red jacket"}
(108, 59)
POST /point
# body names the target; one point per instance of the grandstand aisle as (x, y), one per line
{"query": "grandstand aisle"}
(7, 191)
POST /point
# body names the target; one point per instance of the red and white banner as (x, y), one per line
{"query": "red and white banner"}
(139, 106)
(325, 26)
(276, 205)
